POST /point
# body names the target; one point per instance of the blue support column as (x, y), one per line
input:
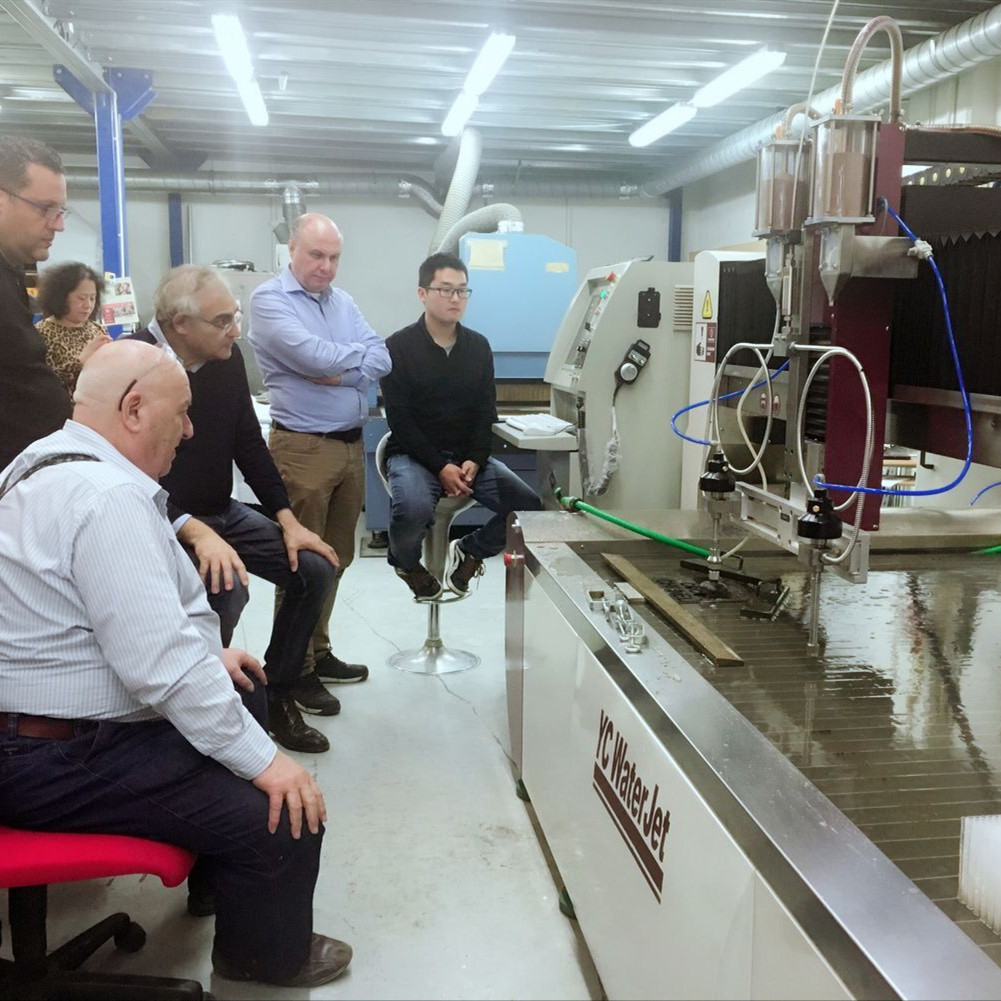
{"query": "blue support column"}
(176, 225)
(111, 183)
(129, 95)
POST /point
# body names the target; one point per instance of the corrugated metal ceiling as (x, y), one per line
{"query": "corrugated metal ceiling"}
(369, 81)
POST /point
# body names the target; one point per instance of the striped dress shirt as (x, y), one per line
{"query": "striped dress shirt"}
(102, 614)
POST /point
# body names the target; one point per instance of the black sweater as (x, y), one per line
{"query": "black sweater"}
(200, 481)
(33, 402)
(437, 402)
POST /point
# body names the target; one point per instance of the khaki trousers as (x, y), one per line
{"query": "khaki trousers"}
(325, 479)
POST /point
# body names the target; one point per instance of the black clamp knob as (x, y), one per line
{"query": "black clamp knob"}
(717, 479)
(820, 520)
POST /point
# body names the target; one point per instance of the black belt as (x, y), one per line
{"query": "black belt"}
(352, 434)
(23, 725)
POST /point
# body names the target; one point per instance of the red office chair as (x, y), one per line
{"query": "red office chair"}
(29, 861)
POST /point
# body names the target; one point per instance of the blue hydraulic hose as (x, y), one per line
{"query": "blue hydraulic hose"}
(882, 491)
(729, 396)
(981, 493)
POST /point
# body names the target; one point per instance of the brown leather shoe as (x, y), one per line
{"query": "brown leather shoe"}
(327, 960)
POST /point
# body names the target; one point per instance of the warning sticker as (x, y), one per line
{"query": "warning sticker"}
(705, 342)
(707, 307)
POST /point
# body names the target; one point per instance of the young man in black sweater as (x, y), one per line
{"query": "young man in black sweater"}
(197, 320)
(441, 404)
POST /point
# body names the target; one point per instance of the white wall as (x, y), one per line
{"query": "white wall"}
(718, 211)
(384, 241)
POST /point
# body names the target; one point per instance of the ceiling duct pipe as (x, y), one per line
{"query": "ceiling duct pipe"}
(467, 166)
(488, 219)
(292, 207)
(947, 55)
(341, 185)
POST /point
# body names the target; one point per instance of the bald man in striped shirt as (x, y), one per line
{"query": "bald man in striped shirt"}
(118, 712)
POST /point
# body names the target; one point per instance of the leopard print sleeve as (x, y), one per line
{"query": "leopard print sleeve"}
(63, 347)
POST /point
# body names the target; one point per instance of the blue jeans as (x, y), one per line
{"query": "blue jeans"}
(416, 490)
(146, 780)
(259, 543)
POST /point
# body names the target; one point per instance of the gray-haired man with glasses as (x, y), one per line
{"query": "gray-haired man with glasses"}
(33, 402)
(198, 321)
(441, 405)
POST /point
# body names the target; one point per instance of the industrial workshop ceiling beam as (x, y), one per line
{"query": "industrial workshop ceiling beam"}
(44, 30)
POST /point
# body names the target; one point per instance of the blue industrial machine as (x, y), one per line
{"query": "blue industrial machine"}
(522, 285)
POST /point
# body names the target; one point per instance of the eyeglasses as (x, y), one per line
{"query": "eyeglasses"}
(141, 375)
(223, 323)
(447, 293)
(52, 213)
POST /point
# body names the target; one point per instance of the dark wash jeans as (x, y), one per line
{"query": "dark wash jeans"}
(145, 780)
(259, 543)
(416, 490)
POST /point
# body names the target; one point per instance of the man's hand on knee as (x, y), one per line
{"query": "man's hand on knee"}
(239, 665)
(288, 784)
(296, 536)
(218, 562)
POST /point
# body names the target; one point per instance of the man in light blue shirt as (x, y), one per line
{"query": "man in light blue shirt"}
(318, 357)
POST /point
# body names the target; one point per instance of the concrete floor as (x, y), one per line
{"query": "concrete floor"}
(431, 867)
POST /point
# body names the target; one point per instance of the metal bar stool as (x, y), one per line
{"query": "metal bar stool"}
(434, 657)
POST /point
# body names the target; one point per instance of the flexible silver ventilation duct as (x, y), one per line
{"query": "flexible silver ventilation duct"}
(460, 191)
(292, 207)
(937, 59)
(485, 220)
(368, 185)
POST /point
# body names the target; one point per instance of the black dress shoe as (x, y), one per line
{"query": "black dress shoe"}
(311, 697)
(201, 905)
(286, 725)
(327, 959)
(332, 669)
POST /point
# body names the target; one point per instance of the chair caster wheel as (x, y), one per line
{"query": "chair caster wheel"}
(130, 939)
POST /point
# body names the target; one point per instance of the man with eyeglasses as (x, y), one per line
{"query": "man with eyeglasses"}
(318, 357)
(441, 404)
(32, 207)
(197, 321)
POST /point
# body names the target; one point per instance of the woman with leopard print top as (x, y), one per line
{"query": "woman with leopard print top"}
(69, 297)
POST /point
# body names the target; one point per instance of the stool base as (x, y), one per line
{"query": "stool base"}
(433, 659)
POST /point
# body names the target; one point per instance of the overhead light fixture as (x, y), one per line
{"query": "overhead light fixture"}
(236, 55)
(746, 72)
(492, 57)
(253, 102)
(460, 113)
(486, 66)
(666, 121)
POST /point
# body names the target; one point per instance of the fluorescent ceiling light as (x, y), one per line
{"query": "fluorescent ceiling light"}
(253, 101)
(492, 56)
(236, 55)
(746, 72)
(233, 46)
(460, 113)
(666, 121)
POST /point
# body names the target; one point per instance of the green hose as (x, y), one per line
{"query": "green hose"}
(987, 552)
(576, 504)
